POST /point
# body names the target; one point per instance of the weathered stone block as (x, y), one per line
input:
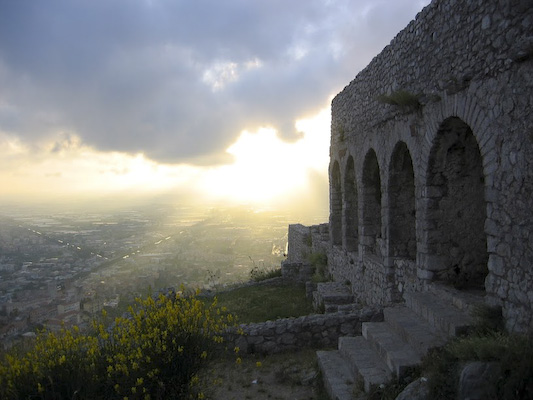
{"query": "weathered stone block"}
(496, 265)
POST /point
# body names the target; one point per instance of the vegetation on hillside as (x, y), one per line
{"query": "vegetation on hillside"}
(153, 353)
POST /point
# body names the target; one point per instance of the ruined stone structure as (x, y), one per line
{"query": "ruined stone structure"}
(431, 173)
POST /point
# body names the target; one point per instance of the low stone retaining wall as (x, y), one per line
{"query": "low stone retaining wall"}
(289, 334)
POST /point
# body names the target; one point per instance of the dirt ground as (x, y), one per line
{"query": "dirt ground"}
(288, 376)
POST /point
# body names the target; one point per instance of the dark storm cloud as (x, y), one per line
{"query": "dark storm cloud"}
(131, 75)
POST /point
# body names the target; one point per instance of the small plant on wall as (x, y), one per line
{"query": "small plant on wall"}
(402, 99)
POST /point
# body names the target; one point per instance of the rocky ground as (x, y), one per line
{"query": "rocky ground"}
(288, 376)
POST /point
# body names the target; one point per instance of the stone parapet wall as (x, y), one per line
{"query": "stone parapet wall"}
(320, 238)
(431, 170)
(299, 243)
(305, 240)
(290, 334)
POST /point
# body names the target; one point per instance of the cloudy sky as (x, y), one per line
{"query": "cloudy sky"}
(103, 95)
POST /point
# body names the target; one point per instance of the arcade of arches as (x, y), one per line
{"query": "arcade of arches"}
(436, 187)
(432, 222)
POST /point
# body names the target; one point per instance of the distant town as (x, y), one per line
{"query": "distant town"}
(63, 269)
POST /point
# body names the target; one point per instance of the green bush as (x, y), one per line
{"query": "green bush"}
(154, 353)
(514, 353)
(487, 319)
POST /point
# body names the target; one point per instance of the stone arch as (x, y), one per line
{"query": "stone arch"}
(456, 207)
(402, 209)
(335, 202)
(371, 215)
(351, 206)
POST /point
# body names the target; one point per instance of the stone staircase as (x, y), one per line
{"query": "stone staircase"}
(391, 349)
(334, 297)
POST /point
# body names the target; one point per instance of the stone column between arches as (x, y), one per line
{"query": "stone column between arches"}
(350, 209)
(335, 202)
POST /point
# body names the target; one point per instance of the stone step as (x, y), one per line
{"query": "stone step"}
(391, 349)
(338, 379)
(463, 300)
(441, 314)
(399, 356)
(330, 295)
(366, 365)
(413, 329)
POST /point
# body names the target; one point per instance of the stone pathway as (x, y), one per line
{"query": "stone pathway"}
(392, 348)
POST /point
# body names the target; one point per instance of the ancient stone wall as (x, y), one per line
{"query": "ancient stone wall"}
(299, 243)
(431, 174)
(290, 334)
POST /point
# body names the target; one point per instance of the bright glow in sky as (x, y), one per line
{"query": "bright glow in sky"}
(207, 100)
(66, 166)
(264, 168)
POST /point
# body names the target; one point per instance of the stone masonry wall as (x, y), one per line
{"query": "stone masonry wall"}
(289, 334)
(299, 243)
(445, 112)
(305, 240)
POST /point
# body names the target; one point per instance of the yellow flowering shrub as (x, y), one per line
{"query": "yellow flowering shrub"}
(153, 353)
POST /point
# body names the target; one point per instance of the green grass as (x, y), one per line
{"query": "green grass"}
(263, 303)
(262, 274)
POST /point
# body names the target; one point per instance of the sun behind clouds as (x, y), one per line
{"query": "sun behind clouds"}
(265, 169)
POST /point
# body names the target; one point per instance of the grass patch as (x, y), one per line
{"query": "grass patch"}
(262, 274)
(263, 303)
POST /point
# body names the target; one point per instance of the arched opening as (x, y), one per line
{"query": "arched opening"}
(456, 206)
(371, 224)
(335, 202)
(351, 218)
(402, 211)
